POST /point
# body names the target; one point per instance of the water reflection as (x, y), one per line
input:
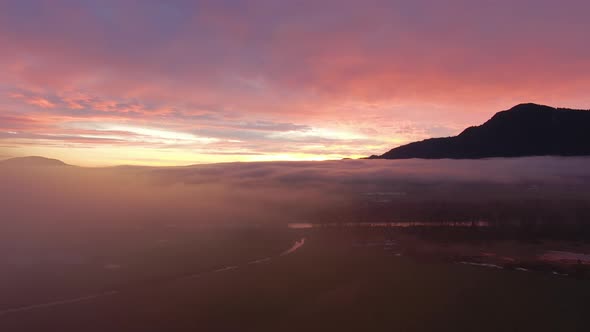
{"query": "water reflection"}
(565, 256)
(302, 225)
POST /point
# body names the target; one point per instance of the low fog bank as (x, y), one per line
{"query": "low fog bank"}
(542, 170)
(532, 190)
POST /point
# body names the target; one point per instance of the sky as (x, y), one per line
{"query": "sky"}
(181, 82)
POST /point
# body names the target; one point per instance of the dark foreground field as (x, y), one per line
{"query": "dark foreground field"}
(328, 284)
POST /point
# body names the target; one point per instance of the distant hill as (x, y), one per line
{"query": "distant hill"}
(32, 161)
(524, 130)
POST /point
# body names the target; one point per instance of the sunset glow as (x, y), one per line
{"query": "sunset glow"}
(176, 82)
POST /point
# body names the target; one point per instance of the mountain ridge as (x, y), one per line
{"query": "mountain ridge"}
(523, 130)
(31, 161)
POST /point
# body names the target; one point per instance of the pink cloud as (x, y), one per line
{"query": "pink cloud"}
(371, 67)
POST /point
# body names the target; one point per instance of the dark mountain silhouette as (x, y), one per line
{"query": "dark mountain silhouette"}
(32, 161)
(524, 130)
